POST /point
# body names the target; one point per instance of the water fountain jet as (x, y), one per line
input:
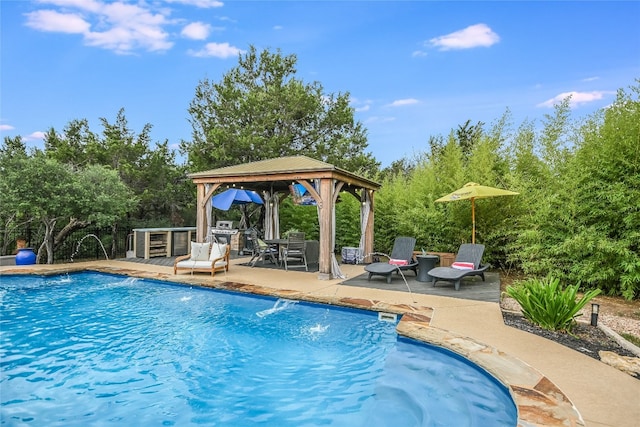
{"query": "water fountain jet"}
(82, 240)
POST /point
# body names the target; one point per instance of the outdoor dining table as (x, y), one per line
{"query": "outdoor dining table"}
(276, 242)
(311, 248)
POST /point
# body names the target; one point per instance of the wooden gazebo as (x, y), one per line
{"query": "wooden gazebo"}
(323, 181)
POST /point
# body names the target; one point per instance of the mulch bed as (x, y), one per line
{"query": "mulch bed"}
(584, 338)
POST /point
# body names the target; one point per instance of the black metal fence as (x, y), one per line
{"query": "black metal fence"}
(90, 243)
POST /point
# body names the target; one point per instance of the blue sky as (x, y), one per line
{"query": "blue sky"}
(412, 68)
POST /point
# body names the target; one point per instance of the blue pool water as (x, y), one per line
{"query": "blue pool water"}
(92, 349)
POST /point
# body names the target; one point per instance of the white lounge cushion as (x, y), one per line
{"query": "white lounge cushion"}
(199, 251)
(217, 251)
(199, 265)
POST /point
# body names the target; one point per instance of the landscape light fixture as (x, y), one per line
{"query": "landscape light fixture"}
(595, 309)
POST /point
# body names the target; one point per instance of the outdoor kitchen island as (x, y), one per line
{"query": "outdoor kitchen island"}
(162, 242)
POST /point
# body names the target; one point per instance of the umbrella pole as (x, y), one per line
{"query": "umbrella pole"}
(473, 220)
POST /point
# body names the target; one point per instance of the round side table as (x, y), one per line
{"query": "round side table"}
(426, 263)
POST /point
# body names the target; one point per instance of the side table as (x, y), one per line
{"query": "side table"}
(425, 264)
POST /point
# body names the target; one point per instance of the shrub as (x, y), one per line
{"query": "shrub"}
(545, 303)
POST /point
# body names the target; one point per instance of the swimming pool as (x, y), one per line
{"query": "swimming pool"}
(89, 348)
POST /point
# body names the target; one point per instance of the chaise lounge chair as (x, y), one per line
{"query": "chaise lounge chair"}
(401, 258)
(467, 263)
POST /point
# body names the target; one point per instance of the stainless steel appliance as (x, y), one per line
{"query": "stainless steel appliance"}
(224, 232)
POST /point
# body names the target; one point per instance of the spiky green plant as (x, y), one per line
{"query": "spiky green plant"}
(547, 304)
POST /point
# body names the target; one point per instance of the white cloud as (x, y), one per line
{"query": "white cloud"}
(360, 106)
(196, 31)
(590, 79)
(87, 5)
(418, 53)
(131, 28)
(203, 4)
(278, 27)
(6, 127)
(52, 21)
(34, 136)
(577, 98)
(378, 119)
(218, 50)
(479, 35)
(403, 102)
(120, 26)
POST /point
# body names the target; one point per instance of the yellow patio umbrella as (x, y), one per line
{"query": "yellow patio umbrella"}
(472, 191)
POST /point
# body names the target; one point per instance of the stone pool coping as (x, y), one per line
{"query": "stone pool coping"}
(538, 400)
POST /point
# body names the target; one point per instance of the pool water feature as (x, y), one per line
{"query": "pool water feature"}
(90, 348)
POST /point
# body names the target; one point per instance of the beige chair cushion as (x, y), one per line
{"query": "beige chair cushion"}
(217, 251)
(199, 251)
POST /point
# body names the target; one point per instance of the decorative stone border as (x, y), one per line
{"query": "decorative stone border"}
(539, 402)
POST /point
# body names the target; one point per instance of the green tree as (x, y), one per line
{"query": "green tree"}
(420, 192)
(604, 246)
(53, 193)
(260, 110)
(12, 152)
(76, 146)
(300, 218)
(468, 135)
(164, 190)
(151, 173)
(547, 192)
(122, 149)
(13, 148)
(449, 169)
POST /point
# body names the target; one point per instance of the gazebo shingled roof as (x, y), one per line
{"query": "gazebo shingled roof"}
(275, 175)
(278, 173)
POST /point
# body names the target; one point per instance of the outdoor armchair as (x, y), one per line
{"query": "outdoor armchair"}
(204, 257)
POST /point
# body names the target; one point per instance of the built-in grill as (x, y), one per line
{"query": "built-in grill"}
(224, 232)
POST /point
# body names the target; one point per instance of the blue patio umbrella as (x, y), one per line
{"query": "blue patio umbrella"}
(235, 196)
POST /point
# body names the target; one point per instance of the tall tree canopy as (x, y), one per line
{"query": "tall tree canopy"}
(83, 178)
(259, 110)
(41, 189)
(152, 174)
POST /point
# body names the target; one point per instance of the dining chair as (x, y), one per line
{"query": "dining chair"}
(295, 248)
(262, 250)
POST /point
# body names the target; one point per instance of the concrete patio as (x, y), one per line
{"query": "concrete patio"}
(552, 384)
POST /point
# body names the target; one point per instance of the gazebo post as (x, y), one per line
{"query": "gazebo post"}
(202, 198)
(368, 233)
(201, 213)
(326, 228)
